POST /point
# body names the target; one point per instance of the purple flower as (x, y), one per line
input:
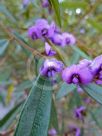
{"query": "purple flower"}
(80, 90)
(51, 67)
(85, 62)
(49, 50)
(45, 3)
(77, 74)
(63, 39)
(96, 68)
(41, 29)
(80, 112)
(25, 3)
(68, 39)
(52, 132)
(57, 39)
(33, 33)
(44, 28)
(76, 130)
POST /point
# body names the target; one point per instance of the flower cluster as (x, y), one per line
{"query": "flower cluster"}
(42, 30)
(85, 72)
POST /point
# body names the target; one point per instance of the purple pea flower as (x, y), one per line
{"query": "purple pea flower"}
(45, 3)
(52, 132)
(57, 39)
(80, 112)
(96, 68)
(51, 67)
(76, 130)
(33, 33)
(77, 74)
(85, 62)
(49, 50)
(41, 29)
(25, 3)
(44, 28)
(68, 39)
(80, 90)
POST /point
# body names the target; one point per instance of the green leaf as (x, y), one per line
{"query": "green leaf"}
(75, 58)
(78, 100)
(7, 13)
(3, 45)
(95, 119)
(54, 119)
(65, 90)
(56, 7)
(35, 115)
(4, 74)
(9, 115)
(80, 52)
(19, 37)
(95, 91)
(24, 85)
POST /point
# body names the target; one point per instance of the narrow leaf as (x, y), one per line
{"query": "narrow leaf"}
(56, 7)
(95, 91)
(35, 115)
(54, 119)
(65, 90)
(7, 13)
(80, 52)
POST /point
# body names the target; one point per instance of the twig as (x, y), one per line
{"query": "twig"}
(12, 36)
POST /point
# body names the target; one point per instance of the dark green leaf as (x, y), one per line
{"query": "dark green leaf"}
(35, 115)
(95, 91)
(56, 7)
(65, 90)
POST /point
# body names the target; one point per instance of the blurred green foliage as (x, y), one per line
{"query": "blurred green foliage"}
(19, 64)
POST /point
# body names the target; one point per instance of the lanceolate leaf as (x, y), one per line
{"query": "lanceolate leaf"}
(65, 90)
(56, 7)
(54, 119)
(34, 119)
(80, 52)
(95, 91)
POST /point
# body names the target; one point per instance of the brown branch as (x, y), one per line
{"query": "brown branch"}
(12, 36)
